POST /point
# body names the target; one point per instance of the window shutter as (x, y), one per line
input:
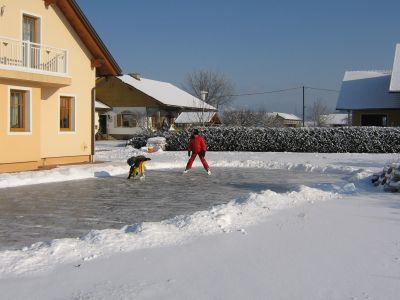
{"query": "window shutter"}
(119, 120)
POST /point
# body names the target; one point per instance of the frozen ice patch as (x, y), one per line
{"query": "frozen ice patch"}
(229, 217)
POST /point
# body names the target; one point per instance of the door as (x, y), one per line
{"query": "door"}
(31, 42)
(103, 124)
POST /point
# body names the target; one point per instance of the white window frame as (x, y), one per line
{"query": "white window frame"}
(73, 114)
(30, 14)
(28, 110)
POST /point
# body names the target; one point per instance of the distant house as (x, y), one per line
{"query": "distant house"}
(366, 94)
(285, 119)
(336, 120)
(139, 103)
(373, 97)
(186, 119)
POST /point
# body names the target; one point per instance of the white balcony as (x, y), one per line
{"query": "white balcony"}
(31, 57)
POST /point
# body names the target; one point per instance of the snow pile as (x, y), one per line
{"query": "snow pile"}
(389, 178)
(140, 140)
(157, 143)
(229, 217)
(62, 173)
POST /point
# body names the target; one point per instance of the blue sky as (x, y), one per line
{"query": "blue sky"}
(259, 45)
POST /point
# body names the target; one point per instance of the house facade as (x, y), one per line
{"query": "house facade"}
(50, 56)
(142, 104)
(366, 95)
(284, 119)
(373, 97)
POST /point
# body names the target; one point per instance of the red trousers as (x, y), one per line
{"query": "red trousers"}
(192, 158)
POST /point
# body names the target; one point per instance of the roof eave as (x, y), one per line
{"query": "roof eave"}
(108, 65)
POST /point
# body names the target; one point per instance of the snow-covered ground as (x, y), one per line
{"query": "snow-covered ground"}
(337, 243)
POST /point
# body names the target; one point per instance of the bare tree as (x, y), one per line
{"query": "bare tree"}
(249, 118)
(239, 117)
(319, 112)
(219, 89)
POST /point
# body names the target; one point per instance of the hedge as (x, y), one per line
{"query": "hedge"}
(312, 139)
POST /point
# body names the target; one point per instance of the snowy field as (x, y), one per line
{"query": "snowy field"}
(337, 242)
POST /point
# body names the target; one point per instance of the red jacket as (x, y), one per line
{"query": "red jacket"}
(197, 144)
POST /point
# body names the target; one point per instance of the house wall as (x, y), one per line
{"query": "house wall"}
(393, 116)
(46, 144)
(20, 148)
(112, 128)
(120, 96)
(115, 93)
(288, 123)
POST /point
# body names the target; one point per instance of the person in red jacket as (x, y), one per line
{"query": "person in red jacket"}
(197, 146)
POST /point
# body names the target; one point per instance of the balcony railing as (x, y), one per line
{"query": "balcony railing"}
(15, 54)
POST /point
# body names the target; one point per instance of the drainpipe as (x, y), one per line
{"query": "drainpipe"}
(92, 124)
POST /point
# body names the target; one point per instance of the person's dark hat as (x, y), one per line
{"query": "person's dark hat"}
(195, 131)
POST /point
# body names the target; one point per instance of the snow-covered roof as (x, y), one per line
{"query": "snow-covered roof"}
(101, 105)
(336, 119)
(165, 93)
(395, 80)
(285, 116)
(367, 90)
(194, 117)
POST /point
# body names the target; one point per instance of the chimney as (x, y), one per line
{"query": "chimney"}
(135, 75)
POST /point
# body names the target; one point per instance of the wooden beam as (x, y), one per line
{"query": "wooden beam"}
(49, 2)
(97, 62)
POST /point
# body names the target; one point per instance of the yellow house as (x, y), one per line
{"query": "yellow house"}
(50, 56)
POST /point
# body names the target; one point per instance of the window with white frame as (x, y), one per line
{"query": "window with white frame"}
(19, 110)
(127, 119)
(67, 113)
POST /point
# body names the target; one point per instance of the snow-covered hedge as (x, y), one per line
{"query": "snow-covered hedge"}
(324, 140)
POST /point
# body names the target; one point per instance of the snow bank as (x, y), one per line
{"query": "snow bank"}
(233, 216)
(61, 174)
(66, 173)
(389, 178)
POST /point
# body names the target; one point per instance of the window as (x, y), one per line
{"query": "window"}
(18, 110)
(31, 34)
(127, 120)
(67, 111)
(374, 120)
(30, 29)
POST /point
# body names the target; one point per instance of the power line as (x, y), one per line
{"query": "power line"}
(267, 92)
(283, 90)
(320, 89)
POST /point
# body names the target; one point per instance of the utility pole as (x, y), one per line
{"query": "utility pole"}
(303, 107)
